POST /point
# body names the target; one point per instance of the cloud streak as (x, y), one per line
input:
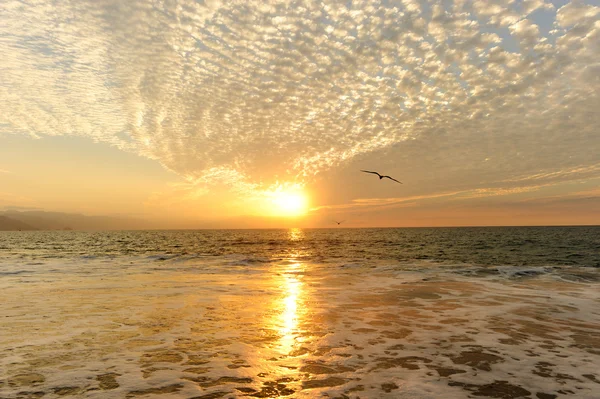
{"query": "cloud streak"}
(254, 92)
(461, 195)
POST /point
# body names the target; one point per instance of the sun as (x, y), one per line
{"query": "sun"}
(283, 200)
(288, 203)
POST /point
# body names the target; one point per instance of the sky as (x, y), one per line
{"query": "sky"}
(203, 114)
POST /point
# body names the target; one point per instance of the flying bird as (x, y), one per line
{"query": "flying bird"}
(380, 176)
(338, 223)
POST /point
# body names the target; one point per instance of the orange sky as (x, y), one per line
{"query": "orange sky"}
(197, 116)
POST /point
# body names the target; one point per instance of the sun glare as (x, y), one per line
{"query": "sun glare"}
(289, 203)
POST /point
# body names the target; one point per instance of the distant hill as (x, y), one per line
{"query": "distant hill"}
(7, 223)
(41, 220)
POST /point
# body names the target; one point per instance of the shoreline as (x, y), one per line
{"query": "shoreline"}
(297, 329)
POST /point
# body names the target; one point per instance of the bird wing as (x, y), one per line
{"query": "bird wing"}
(391, 178)
(368, 171)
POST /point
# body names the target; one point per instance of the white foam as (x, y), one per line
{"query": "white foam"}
(198, 326)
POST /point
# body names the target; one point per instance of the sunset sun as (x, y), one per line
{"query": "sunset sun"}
(289, 203)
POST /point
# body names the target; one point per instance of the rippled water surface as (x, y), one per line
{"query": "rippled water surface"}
(477, 245)
(374, 313)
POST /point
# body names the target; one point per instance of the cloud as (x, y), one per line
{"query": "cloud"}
(579, 172)
(251, 93)
(448, 197)
(385, 202)
(576, 13)
(577, 196)
(526, 32)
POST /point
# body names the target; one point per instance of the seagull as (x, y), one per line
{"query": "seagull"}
(380, 176)
(339, 222)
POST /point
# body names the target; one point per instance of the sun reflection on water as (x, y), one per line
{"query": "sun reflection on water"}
(298, 250)
(295, 234)
(291, 304)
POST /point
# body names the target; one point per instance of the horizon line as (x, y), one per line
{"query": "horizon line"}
(304, 228)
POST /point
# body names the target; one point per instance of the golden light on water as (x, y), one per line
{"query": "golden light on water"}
(293, 290)
(295, 234)
(291, 303)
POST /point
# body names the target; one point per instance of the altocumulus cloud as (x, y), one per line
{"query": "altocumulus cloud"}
(232, 89)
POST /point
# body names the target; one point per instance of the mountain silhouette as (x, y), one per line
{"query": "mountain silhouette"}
(7, 223)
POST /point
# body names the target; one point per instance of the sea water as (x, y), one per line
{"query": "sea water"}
(508, 312)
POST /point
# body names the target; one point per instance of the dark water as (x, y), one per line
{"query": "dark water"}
(486, 246)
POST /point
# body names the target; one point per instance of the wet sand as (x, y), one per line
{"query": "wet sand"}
(295, 330)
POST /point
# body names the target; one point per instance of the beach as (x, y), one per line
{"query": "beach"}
(206, 326)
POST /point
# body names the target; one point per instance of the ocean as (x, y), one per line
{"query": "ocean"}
(500, 312)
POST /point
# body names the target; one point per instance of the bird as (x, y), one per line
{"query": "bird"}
(338, 223)
(380, 176)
